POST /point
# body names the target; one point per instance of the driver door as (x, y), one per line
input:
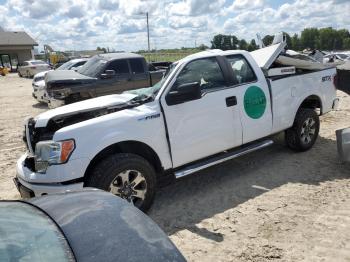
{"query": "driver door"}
(117, 83)
(206, 126)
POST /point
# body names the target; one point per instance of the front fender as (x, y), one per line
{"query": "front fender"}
(94, 135)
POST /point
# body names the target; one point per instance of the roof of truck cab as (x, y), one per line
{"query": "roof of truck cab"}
(112, 56)
(212, 52)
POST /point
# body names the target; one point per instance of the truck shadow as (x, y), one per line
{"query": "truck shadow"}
(192, 199)
(40, 105)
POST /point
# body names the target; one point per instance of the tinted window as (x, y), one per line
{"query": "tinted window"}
(206, 72)
(25, 63)
(136, 66)
(27, 234)
(243, 72)
(79, 63)
(119, 66)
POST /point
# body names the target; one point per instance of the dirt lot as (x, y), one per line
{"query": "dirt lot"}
(269, 205)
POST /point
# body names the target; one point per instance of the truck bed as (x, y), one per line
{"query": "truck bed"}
(288, 90)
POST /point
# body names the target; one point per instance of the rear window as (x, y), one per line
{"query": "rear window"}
(79, 63)
(242, 71)
(38, 63)
(137, 66)
(119, 66)
(27, 234)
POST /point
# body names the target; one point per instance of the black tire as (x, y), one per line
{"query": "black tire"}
(20, 75)
(304, 132)
(108, 170)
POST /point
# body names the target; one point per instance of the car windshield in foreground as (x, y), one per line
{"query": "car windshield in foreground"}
(93, 66)
(151, 92)
(27, 234)
(65, 66)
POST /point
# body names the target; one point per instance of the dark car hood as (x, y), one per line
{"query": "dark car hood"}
(102, 227)
(66, 75)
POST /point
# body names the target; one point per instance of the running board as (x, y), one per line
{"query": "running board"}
(222, 158)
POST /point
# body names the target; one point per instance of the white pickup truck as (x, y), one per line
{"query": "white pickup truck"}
(210, 107)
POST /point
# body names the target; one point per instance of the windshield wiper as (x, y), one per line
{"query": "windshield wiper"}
(142, 99)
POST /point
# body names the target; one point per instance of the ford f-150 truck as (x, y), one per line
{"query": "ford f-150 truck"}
(103, 74)
(210, 107)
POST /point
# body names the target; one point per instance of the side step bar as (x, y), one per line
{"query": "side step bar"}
(222, 158)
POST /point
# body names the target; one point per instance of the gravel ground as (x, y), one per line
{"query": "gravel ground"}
(271, 205)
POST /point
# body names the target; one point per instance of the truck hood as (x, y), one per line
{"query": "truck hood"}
(66, 76)
(85, 109)
(264, 57)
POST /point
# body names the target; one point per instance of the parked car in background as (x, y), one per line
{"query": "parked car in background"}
(32, 67)
(91, 225)
(39, 92)
(210, 107)
(103, 74)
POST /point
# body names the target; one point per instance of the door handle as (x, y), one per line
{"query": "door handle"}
(231, 101)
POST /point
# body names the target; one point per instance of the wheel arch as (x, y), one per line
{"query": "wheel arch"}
(312, 102)
(132, 147)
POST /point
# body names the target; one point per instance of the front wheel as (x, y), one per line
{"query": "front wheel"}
(127, 176)
(304, 132)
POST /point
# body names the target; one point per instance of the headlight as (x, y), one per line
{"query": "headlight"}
(52, 153)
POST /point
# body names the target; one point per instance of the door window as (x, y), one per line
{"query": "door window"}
(137, 66)
(243, 73)
(119, 66)
(206, 72)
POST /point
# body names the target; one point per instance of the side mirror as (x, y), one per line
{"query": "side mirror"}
(108, 74)
(184, 93)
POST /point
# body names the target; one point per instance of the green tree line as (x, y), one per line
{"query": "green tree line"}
(313, 38)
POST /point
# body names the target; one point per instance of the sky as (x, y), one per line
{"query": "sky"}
(121, 24)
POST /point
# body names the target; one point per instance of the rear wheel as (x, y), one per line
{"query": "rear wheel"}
(304, 132)
(20, 75)
(127, 176)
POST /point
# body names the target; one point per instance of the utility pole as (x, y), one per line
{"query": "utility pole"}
(149, 49)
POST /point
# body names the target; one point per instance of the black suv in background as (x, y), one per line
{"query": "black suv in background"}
(103, 74)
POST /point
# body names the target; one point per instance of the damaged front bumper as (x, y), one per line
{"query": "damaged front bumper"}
(34, 184)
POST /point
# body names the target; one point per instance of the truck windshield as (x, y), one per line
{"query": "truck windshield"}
(93, 67)
(153, 90)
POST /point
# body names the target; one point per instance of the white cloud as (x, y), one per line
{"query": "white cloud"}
(35, 9)
(195, 7)
(245, 4)
(121, 24)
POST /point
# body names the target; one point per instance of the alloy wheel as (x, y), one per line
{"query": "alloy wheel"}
(308, 130)
(130, 185)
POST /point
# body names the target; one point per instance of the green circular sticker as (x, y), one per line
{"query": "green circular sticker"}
(254, 102)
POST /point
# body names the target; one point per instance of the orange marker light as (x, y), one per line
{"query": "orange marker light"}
(67, 148)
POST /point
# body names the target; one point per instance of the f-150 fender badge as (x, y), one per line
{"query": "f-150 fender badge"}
(254, 102)
(149, 117)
